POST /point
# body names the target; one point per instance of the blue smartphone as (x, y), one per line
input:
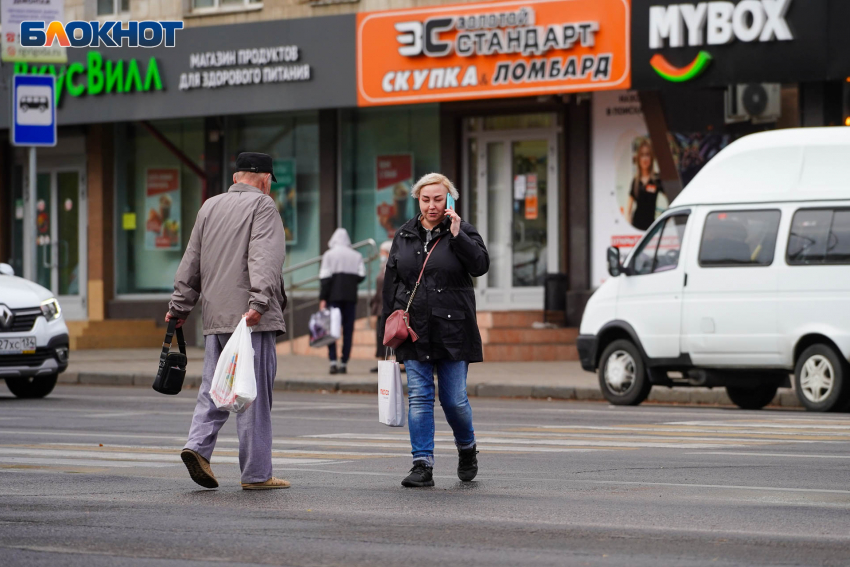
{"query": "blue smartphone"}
(450, 202)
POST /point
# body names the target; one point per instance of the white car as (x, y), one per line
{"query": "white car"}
(742, 282)
(33, 336)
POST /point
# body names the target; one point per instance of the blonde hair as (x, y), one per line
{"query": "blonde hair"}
(434, 179)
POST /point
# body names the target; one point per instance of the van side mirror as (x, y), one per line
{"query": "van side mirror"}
(614, 267)
(7, 270)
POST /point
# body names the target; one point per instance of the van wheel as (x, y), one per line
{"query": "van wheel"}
(752, 398)
(622, 374)
(32, 387)
(820, 379)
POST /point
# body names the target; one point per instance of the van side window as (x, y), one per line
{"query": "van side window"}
(659, 252)
(739, 238)
(819, 236)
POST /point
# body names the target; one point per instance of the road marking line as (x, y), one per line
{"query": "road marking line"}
(792, 455)
(482, 439)
(815, 425)
(111, 457)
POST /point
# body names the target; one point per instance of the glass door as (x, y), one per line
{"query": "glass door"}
(515, 208)
(61, 238)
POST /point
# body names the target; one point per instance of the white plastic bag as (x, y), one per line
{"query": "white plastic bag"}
(390, 394)
(325, 327)
(336, 323)
(234, 385)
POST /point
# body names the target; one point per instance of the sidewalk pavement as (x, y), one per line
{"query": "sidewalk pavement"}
(542, 380)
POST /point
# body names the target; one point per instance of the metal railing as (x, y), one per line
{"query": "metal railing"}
(373, 255)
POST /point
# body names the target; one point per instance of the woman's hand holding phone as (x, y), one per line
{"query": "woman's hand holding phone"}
(450, 212)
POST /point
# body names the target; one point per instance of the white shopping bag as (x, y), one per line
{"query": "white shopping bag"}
(234, 386)
(390, 394)
(320, 329)
(336, 323)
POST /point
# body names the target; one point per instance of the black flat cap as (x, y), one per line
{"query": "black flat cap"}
(255, 163)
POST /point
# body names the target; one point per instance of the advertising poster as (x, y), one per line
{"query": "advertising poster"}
(285, 194)
(13, 12)
(531, 209)
(394, 175)
(627, 191)
(162, 203)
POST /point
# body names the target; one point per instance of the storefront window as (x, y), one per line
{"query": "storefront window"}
(384, 152)
(157, 200)
(292, 140)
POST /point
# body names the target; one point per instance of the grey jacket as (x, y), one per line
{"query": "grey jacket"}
(234, 260)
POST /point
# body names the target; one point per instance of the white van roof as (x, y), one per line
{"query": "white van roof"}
(797, 164)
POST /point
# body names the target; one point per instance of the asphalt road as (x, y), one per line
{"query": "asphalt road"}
(91, 476)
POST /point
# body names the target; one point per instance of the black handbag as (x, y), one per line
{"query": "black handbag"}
(172, 365)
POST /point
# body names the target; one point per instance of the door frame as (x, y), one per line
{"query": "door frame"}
(74, 307)
(518, 298)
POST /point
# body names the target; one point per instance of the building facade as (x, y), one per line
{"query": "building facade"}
(537, 110)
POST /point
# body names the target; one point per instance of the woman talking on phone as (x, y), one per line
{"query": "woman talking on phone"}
(442, 314)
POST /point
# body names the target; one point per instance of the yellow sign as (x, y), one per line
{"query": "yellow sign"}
(129, 221)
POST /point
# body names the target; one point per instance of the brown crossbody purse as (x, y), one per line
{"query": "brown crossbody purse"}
(397, 328)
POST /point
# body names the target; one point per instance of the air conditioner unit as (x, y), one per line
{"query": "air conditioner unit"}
(759, 102)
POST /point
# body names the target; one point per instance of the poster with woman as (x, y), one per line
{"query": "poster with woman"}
(627, 191)
(162, 203)
(394, 206)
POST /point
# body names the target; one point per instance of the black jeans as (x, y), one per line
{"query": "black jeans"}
(348, 309)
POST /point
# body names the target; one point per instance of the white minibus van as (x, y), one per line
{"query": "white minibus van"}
(743, 281)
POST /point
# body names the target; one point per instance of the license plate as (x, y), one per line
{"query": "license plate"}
(17, 345)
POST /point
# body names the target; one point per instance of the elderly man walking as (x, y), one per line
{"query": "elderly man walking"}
(234, 260)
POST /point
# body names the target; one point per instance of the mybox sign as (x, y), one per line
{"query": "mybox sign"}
(716, 43)
(476, 51)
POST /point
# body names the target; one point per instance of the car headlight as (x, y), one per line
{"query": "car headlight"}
(51, 309)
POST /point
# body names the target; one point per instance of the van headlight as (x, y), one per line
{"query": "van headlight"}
(51, 309)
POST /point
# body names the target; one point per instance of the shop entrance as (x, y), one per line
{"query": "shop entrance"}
(60, 237)
(512, 180)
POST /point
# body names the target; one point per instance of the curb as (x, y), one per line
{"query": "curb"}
(690, 396)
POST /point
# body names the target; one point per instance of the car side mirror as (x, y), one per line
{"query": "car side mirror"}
(614, 267)
(7, 270)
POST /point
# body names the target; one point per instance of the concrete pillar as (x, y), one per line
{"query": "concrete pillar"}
(101, 212)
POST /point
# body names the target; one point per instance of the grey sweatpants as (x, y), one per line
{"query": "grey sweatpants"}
(254, 426)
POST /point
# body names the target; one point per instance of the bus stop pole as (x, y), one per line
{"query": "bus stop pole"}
(30, 228)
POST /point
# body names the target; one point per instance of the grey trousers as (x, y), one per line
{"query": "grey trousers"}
(254, 426)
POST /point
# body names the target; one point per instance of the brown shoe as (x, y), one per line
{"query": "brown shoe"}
(199, 468)
(269, 484)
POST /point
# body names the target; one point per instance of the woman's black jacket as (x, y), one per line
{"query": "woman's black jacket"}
(443, 311)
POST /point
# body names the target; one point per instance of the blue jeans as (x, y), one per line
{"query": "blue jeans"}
(420, 416)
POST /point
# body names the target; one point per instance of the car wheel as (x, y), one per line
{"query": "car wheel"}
(622, 374)
(752, 398)
(34, 387)
(820, 379)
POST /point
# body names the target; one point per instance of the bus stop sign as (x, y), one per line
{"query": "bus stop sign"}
(34, 110)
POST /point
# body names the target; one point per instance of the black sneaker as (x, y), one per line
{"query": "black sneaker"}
(334, 369)
(343, 369)
(467, 463)
(420, 475)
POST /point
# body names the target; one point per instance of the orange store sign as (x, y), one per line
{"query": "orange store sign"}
(503, 49)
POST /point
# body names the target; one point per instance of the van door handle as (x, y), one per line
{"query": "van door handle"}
(686, 281)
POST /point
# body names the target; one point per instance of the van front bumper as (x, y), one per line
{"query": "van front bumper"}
(587, 345)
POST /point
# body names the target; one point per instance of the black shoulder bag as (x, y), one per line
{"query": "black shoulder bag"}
(172, 365)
